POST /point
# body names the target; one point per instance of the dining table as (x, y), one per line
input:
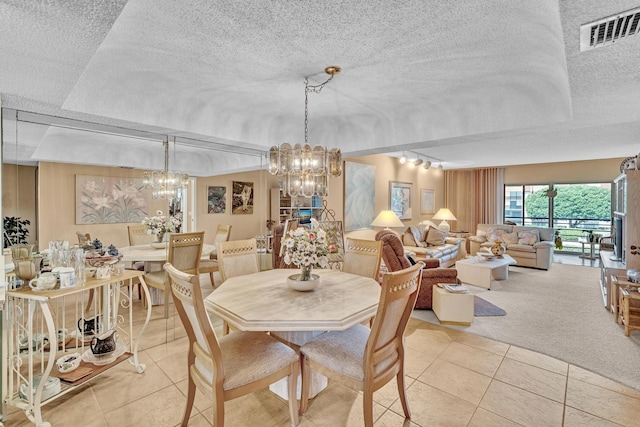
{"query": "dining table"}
(154, 256)
(264, 302)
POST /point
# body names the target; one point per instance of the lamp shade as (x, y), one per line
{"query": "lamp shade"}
(387, 219)
(444, 214)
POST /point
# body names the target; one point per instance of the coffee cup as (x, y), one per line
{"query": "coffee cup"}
(44, 282)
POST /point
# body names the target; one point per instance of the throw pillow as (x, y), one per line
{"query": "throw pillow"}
(529, 237)
(408, 239)
(495, 234)
(510, 238)
(436, 237)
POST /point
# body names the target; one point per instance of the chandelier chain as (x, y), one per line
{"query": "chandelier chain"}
(315, 89)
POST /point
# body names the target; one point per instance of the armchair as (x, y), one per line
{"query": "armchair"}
(394, 259)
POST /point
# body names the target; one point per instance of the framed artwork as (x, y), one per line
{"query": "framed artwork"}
(110, 200)
(216, 199)
(427, 201)
(242, 198)
(359, 195)
(400, 198)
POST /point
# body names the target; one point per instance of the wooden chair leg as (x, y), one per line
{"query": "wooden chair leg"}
(191, 395)
(306, 382)
(292, 380)
(367, 403)
(90, 301)
(402, 390)
(225, 328)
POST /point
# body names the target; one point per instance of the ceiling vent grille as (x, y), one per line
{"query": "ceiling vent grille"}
(609, 30)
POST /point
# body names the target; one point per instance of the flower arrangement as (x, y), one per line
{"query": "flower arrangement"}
(307, 248)
(161, 224)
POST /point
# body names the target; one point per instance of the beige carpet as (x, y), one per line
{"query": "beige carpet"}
(560, 313)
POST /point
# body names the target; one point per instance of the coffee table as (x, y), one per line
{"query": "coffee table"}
(480, 272)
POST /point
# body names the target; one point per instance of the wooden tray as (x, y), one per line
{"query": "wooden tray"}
(93, 370)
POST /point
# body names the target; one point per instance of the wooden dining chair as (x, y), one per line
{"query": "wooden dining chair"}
(362, 257)
(368, 358)
(234, 365)
(210, 266)
(237, 258)
(138, 236)
(185, 250)
(289, 225)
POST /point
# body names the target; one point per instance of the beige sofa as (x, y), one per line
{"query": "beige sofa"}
(426, 243)
(447, 253)
(529, 246)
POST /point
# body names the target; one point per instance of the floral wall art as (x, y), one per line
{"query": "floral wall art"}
(110, 200)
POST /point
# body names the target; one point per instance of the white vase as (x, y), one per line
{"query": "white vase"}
(304, 281)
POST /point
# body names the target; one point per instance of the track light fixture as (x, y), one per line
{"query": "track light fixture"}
(440, 167)
(403, 159)
(417, 162)
(426, 165)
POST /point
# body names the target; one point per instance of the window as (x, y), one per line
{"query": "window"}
(572, 209)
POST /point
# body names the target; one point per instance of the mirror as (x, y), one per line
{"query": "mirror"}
(46, 159)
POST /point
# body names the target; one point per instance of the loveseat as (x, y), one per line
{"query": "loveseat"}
(529, 246)
(427, 241)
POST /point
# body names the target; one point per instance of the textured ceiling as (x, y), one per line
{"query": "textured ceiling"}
(472, 83)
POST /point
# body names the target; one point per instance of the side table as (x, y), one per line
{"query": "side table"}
(464, 247)
(630, 314)
(452, 308)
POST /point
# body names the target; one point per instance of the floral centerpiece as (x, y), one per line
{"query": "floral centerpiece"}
(307, 248)
(160, 225)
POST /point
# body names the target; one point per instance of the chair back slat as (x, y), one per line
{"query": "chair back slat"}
(362, 257)
(384, 350)
(185, 251)
(189, 303)
(138, 235)
(237, 258)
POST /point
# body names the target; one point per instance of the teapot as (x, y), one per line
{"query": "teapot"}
(105, 343)
(89, 326)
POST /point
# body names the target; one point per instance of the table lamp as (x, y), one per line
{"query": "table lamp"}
(387, 219)
(445, 215)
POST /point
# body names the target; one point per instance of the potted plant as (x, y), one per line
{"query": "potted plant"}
(15, 230)
(557, 238)
(591, 236)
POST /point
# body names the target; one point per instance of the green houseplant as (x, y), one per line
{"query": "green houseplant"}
(557, 238)
(15, 230)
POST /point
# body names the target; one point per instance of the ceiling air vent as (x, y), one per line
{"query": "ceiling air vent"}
(609, 30)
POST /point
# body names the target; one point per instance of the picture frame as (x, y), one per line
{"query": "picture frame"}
(400, 198)
(110, 200)
(242, 198)
(427, 201)
(216, 199)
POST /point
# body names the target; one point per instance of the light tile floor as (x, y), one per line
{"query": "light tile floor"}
(454, 379)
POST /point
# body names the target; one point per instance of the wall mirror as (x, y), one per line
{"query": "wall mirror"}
(44, 156)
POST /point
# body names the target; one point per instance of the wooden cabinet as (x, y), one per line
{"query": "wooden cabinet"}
(285, 207)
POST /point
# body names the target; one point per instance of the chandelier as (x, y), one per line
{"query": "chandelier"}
(165, 184)
(303, 170)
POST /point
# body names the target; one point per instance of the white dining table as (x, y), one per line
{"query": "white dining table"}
(154, 259)
(264, 302)
(147, 253)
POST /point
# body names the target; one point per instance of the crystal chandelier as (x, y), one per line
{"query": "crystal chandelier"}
(303, 170)
(165, 184)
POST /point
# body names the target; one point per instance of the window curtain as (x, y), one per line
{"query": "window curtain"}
(475, 196)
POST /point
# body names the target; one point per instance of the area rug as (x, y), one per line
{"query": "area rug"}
(482, 307)
(559, 313)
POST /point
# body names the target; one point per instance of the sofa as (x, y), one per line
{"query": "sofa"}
(427, 241)
(394, 259)
(529, 246)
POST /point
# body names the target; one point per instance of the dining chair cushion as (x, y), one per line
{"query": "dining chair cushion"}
(342, 351)
(155, 278)
(208, 264)
(242, 364)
